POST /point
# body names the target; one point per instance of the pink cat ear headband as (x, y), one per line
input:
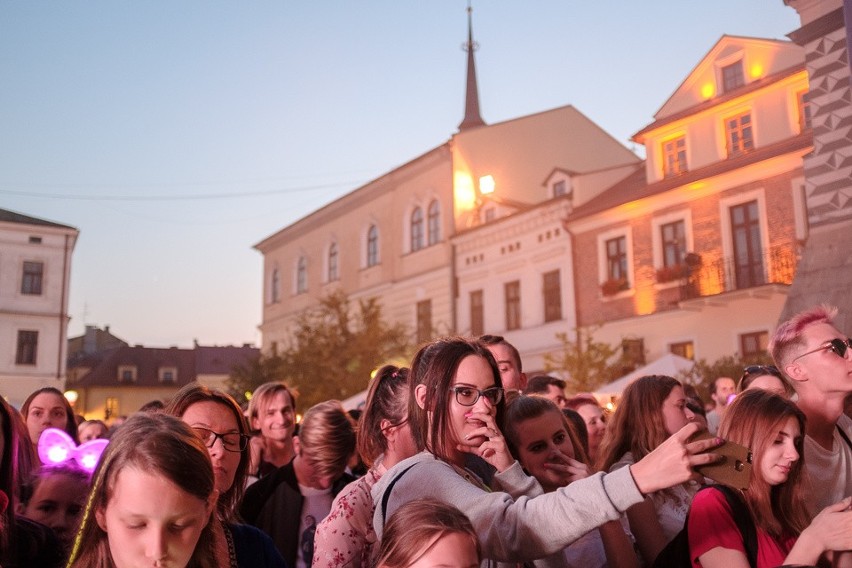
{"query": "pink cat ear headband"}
(55, 447)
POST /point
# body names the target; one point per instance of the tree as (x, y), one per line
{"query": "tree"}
(703, 374)
(334, 347)
(586, 362)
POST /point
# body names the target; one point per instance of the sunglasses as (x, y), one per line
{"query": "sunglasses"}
(761, 370)
(837, 346)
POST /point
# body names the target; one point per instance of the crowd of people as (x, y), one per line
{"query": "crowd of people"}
(458, 460)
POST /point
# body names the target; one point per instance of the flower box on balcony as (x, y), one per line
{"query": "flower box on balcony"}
(613, 286)
(672, 273)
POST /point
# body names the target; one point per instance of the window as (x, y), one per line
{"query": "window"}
(552, 296)
(512, 292)
(732, 76)
(674, 156)
(276, 286)
(738, 134)
(416, 229)
(35, 240)
(373, 246)
(332, 263)
(560, 188)
(27, 348)
(747, 248)
(110, 407)
(803, 105)
(633, 351)
(616, 259)
(32, 278)
(490, 214)
(683, 349)
(754, 345)
(477, 313)
(168, 374)
(673, 236)
(302, 276)
(424, 321)
(126, 373)
(434, 218)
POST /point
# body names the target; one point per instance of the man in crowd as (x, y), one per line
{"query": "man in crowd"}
(272, 412)
(817, 359)
(289, 503)
(548, 387)
(508, 361)
(723, 388)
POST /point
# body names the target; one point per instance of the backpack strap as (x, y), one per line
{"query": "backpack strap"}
(386, 495)
(844, 436)
(742, 517)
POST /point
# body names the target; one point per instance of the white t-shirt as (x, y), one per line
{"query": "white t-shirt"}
(829, 472)
(315, 507)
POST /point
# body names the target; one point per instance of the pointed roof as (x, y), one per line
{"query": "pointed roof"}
(472, 118)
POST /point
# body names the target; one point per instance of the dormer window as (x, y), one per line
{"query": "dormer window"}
(168, 374)
(674, 156)
(560, 188)
(732, 76)
(127, 373)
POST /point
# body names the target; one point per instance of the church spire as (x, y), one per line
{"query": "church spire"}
(471, 101)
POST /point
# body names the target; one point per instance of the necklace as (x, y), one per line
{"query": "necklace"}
(232, 553)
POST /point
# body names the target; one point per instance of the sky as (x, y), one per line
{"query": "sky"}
(177, 135)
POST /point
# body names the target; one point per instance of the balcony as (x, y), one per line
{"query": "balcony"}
(727, 274)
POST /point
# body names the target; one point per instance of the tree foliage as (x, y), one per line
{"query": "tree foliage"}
(585, 363)
(333, 349)
(704, 373)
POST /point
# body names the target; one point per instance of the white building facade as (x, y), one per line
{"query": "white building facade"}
(35, 274)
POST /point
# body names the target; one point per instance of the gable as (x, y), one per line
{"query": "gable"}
(759, 57)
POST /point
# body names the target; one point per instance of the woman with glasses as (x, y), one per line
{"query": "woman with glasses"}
(217, 420)
(764, 377)
(456, 409)
(346, 536)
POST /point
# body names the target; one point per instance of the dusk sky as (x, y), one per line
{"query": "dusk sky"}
(176, 135)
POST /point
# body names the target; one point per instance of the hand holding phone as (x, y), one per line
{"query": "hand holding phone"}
(734, 469)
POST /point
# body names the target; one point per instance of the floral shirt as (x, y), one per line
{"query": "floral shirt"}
(346, 536)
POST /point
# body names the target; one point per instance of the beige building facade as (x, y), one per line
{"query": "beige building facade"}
(35, 275)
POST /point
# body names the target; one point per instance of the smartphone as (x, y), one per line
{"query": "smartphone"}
(733, 470)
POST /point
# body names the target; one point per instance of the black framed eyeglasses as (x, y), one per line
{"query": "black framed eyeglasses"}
(762, 370)
(231, 441)
(468, 396)
(837, 346)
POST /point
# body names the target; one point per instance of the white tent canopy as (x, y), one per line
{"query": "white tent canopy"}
(669, 364)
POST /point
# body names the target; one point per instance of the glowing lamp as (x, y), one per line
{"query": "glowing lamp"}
(486, 185)
(756, 71)
(56, 447)
(708, 90)
(248, 395)
(71, 396)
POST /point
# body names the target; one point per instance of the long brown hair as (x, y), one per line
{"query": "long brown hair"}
(637, 424)
(434, 366)
(387, 399)
(523, 408)
(754, 420)
(196, 392)
(157, 444)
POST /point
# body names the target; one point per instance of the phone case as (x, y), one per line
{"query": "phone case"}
(733, 470)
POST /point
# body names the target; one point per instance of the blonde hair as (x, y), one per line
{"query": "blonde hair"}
(327, 434)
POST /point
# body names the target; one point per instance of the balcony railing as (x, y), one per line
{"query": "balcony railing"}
(726, 274)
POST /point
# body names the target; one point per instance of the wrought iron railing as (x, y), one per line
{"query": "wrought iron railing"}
(725, 274)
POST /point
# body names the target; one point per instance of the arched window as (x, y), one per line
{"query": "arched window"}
(416, 229)
(373, 246)
(302, 276)
(275, 296)
(332, 263)
(434, 218)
